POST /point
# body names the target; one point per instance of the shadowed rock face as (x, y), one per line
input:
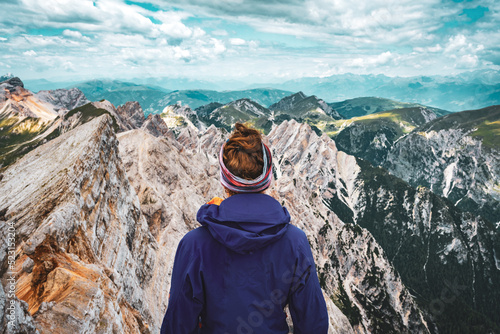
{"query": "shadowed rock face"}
(457, 157)
(63, 99)
(353, 269)
(132, 114)
(155, 125)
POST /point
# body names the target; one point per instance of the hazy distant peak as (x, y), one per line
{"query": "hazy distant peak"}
(6, 77)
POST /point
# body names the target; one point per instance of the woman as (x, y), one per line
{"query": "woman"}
(238, 271)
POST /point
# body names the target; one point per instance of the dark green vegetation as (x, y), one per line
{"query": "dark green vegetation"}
(455, 156)
(362, 106)
(483, 123)
(18, 136)
(372, 136)
(451, 272)
(88, 112)
(342, 301)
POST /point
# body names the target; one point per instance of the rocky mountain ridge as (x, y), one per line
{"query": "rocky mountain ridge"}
(28, 120)
(121, 244)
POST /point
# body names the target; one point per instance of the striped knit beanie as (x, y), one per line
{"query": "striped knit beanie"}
(240, 185)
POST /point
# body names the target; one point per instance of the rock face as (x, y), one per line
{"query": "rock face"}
(242, 110)
(457, 157)
(129, 116)
(178, 116)
(171, 193)
(19, 102)
(372, 137)
(63, 99)
(79, 221)
(25, 121)
(132, 115)
(353, 269)
(155, 125)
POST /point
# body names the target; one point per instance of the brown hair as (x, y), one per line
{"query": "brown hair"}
(243, 155)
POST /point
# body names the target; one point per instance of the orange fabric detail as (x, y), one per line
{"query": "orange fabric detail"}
(216, 201)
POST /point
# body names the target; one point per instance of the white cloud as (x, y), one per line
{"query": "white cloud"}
(30, 53)
(432, 49)
(459, 44)
(237, 41)
(72, 33)
(372, 60)
(3, 39)
(467, 61)
(172, 25)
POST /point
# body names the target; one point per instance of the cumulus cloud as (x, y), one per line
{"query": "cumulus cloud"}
(371, 60)
(237, 41)
(72, 33)
(30, 53)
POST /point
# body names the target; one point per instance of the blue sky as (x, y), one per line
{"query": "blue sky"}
(246, 40)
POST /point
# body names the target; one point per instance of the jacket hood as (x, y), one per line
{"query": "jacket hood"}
(245, 222)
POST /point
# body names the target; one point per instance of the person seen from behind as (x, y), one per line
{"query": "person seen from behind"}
(240, 269)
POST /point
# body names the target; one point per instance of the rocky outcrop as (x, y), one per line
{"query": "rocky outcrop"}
(457, 157)
(98, 218)
(63, 99)
(21, 103)
(242, 110)
(84, 253)
(178, 116)
(372, 137)
(155, 125)
(131, 114)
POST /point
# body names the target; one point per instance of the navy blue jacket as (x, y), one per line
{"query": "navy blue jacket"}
(237, 272)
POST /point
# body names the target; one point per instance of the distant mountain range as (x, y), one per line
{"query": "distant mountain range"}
(472, 90)
(466, 91)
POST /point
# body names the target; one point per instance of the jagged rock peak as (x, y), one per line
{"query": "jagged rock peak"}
(12, 83)
(179, 109)
(132, 113)
(288, 102)
(156, 126)
(301, 105)
(63, 99)
(205, 110)
(351, 264)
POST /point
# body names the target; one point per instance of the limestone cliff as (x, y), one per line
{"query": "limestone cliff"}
(84, 254)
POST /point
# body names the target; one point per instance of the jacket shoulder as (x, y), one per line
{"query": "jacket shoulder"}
(296, 234)
(195, 237)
